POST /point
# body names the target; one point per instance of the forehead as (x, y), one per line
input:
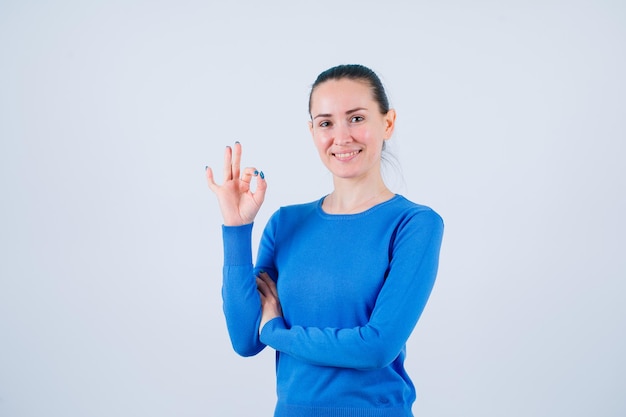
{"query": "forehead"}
(340, 94)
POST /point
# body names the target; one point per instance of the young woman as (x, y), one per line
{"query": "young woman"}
(339, 283)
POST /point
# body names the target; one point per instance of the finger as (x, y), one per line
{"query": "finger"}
(261, 188)
(236, 160)
(210, 180)
(262, 287)
(228, 157)
(269, 282)
(248, 173)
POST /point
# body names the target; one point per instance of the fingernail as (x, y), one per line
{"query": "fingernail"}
(262, 175)
(206, 167)
(256, 172)
(236, 142)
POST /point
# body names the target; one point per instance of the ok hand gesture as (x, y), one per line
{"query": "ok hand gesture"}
(238, 204)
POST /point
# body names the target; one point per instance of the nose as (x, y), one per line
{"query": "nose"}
(342, 134)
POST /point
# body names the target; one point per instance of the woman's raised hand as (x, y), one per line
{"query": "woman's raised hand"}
(239, 205)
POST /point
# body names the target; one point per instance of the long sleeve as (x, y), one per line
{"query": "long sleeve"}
(413, 262)
(241, 301)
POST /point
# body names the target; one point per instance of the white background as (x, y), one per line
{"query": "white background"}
(511, 124)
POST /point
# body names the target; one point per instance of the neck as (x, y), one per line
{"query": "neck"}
(355, 198)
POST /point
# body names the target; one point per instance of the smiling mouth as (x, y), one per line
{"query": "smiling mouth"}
(346, 155)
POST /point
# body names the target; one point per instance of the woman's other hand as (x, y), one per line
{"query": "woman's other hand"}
(270, 304)
(238, 204)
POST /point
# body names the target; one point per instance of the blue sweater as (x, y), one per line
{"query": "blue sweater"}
(351, 287)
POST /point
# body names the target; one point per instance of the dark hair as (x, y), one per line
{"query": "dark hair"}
(358, 73)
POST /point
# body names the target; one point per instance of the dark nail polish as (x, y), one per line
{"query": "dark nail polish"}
(256, 173)
(236, 142)
(262, 175)
(206, 167)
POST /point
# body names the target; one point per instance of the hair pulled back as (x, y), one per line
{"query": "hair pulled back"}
(355, 72)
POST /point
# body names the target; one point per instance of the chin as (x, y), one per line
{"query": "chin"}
(345, 174)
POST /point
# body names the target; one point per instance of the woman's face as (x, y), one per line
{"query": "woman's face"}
(348, 128)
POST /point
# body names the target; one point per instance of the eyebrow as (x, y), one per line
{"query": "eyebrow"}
(347, 113)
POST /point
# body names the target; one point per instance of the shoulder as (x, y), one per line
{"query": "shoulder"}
(413, 220)
(407, 209)
(417, 226)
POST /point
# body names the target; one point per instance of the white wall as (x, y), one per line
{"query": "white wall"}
(512, 124)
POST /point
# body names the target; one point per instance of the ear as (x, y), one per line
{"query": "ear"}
(390, 123)
(311, 128)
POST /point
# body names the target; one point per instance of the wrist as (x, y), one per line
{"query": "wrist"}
(237, 242)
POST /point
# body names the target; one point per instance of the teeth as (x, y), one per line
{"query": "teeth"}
(346, 155)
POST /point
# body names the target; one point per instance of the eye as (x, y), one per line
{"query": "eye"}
(325, 123)
(356, 119)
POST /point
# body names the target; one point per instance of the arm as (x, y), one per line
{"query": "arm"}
(239, 206)
(241, 302)
(413, 267)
